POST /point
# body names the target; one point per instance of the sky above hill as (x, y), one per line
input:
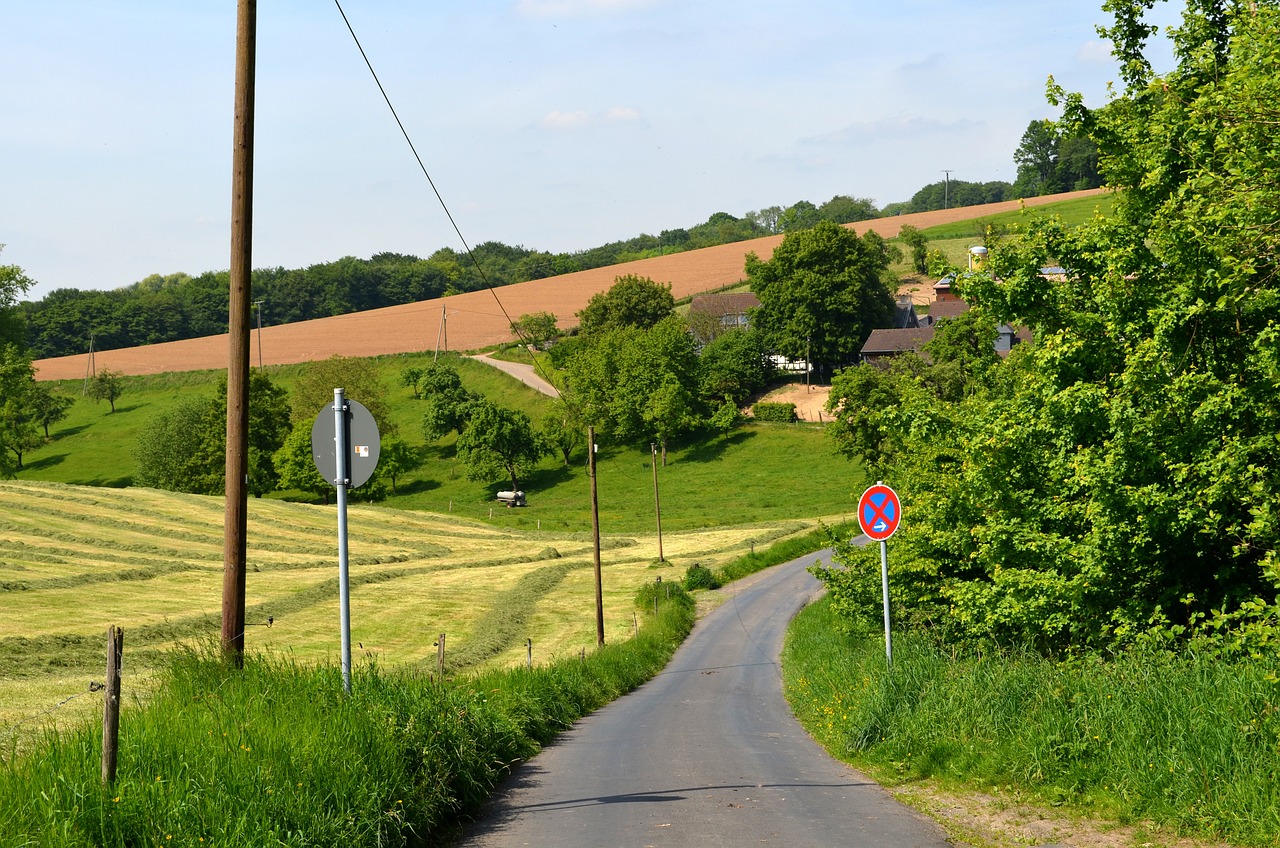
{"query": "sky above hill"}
(558, 125)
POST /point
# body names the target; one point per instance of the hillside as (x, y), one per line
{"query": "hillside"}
(478, 319)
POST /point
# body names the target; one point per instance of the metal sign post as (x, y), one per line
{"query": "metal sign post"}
(879, 512)
(340, 481)
(345, 445)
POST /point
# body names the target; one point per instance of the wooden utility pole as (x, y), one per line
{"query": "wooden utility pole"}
(657, 504)
(595, 532)
(257, 304)
(237, 470)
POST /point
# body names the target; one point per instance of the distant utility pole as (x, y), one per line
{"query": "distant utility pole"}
(237, 468)
(946, 190)
(258, 305)
(595, 532)
(442, 331)
(90, 368)
(657, 504)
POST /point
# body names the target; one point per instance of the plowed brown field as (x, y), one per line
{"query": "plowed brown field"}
(476, 319)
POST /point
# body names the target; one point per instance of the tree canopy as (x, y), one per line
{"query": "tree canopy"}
(632, 301)
(1119, 475)
(821, 294)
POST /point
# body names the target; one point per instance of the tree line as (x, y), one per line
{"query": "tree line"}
(172, 307)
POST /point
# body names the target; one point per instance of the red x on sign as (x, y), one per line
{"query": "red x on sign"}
(879, 512)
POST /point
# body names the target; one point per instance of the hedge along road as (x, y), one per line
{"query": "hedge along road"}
(707, 754)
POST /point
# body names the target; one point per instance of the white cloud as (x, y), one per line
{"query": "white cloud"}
(1095, 52)
(564, 120)
(622, 113)
(578, 8)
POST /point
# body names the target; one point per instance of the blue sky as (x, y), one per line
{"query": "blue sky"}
(554, 124)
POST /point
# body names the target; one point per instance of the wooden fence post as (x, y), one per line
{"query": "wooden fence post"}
(440, 655)
(111, 704)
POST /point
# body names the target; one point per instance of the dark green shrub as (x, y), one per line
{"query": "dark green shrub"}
(783, 412)
(698, 576)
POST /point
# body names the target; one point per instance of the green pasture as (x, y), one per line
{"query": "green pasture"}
(955, 239)
(757, 473)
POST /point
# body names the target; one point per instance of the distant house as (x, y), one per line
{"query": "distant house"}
(903, 337)
(727, 310)
(904, 313)
(884, 344)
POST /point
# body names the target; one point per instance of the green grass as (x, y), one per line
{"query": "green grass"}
(1072, 212)
(1189, 743)
(758, 473)
(276, 754)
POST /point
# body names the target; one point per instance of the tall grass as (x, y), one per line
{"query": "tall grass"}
(1185, 741)
(276, 754)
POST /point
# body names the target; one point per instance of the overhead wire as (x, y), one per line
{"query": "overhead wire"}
(484, 278)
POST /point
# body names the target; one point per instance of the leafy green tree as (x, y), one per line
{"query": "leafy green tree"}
(396, 459)
(669, 411)
(536, 328)
(184, 449)
(498, 441)
(295, 464)
(733, 366)
(918, 243)
(821, 294)
(359, 379)
(49, 406)
(562, 429)
(410, 378)
(632, 301)
(1037, 160)
(800, 216)
(269, 424)
(170, 452)
(1118, 474)
(13, 284)
(843, 209)
(615, 380)
(107, 385)
(447, 403)
(19, 432)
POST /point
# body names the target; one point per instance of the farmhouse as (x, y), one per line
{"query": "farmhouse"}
(910, 335)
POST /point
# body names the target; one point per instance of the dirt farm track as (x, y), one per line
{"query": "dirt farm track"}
(476, 319)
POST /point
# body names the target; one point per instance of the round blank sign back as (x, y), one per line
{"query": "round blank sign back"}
(364, 444)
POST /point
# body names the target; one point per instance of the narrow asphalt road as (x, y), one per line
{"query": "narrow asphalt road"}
(706, 754)
(526, 374)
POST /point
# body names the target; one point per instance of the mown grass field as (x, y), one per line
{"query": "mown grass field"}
(78, 559)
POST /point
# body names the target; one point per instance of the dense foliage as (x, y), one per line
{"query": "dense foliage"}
(821, 294)
(1120, 475)
(183, 448)
(637, 374)
(1052, 159)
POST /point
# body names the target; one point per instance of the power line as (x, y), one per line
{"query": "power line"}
(474, 261)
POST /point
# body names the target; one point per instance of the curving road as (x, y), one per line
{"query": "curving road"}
(706, 754)
(526, 374)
